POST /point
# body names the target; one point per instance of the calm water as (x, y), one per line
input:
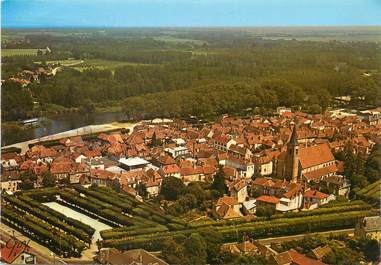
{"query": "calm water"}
(98, 226)
(56, 124)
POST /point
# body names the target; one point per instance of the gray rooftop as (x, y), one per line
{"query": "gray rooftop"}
(372, 223)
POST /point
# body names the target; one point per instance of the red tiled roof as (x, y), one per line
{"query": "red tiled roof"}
(26, 165)
(171, 169)
(283, 258)
(317, 174)
(293, 192)
(268, 199)
(191, 171)
(229, 171)
(237, 185)
(263, 182)
(227, 212)
(11, 251)
(227, 200)
(315, 194)
(166, 160)
(221, 139)
(315, 155)
(62, 167)
(101, 174)
(237, 149)
(8, 156)
(301, 259)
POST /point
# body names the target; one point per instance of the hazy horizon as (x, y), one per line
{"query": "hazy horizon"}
(189, 13)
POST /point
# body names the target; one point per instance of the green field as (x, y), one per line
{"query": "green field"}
(18, 52)
(70, 62)
(105, 64)
(178, 40)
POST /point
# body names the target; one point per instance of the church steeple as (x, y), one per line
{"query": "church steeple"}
(292, 158)
(294, 137)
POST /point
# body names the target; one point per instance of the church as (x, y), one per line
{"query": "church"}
(305, 164)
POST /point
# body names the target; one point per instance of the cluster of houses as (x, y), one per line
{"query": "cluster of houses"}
(285, 161)
(26, 77)
(255, 248)
(369, 227)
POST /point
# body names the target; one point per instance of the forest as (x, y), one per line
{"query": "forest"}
(222, 71)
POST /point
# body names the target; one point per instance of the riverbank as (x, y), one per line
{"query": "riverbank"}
(14, 132)
(86, 130)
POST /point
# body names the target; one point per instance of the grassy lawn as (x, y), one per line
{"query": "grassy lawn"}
(18, 52)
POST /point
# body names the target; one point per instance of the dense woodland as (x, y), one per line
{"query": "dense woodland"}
(224, 71)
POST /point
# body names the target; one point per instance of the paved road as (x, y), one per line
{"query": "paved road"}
(268, 241)
(79, 131)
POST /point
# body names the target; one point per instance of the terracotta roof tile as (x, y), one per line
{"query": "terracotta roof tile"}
(315, 155)
(317, 174)
(268, 199)
(301, 259)
(227, 200)
(315, 194)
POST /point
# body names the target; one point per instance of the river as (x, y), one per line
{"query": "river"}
(55, 124)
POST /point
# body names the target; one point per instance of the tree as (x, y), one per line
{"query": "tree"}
(172, 188)
(265, 211)
(116, 186)
(142, 189)
(28, 179)
(195, 189)
(88, 106)
(358, 180)
(324, 99)
(314, 109)
(219, 182)
(173, 252)
(49, 180)
(213, 240)
(372, 250)
(195, 250)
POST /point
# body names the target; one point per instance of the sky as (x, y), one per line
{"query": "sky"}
(188, 13)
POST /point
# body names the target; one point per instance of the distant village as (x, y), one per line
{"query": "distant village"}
(285, 161)
(26, 77)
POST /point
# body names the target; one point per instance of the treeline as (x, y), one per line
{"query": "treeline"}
(266, 73)
(223, 98)
(278, 227)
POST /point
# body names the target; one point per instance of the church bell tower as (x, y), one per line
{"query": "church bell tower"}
(292, 158)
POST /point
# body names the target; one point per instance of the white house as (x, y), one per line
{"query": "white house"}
(313, 199)
(244, 168)
(177, 151)
(133, 163)
(223, 143)
(291, 201)
(238, 189)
